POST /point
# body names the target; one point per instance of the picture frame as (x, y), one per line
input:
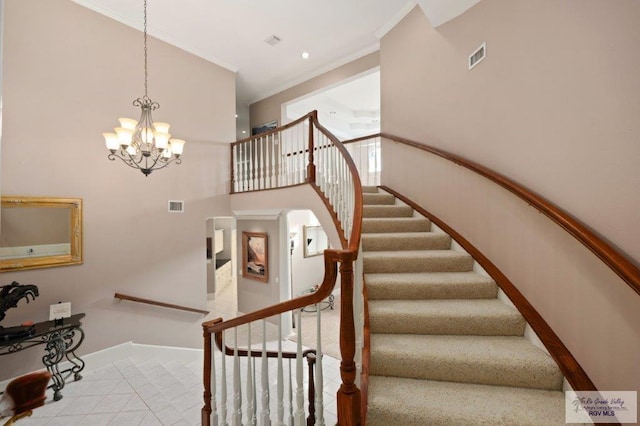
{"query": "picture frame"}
(263, 128)
(255, 256)
(315, 241)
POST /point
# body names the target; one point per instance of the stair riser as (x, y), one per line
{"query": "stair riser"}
(373, 225)
(382, 264)
(369, 189)
(387, 211)
(420, 241)
(502, 372)
(378, 199)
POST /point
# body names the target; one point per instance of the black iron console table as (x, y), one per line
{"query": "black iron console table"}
(61, 341)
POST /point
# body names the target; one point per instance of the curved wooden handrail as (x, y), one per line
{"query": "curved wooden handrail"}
(610, 256)
(121, 296)
(356, 230)
(570, 368)
(348, 396)
(331, 257)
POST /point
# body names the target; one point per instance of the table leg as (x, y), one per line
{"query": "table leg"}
(75, 360)
(55, 351)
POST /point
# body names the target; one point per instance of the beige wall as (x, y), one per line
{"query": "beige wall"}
(269, 109)
(555, 106)
(69, 73)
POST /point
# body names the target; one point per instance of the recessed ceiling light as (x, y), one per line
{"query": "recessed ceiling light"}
(236, 115)
(305, 55)
(244, 132)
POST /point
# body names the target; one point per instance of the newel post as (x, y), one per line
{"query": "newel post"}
(311, 167)
(348, 396)
(206, 410)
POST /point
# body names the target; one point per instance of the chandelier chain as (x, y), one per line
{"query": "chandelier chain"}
(145, 50)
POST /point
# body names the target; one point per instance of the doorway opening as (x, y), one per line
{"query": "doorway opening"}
(221, 266)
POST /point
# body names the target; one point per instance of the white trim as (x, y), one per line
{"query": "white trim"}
(395, 20)
(294, 82)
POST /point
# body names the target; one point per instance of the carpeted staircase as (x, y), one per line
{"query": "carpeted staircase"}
(444, 349)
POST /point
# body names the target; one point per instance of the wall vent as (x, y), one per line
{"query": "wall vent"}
(476, 57)
(176, 206)
(273, 40)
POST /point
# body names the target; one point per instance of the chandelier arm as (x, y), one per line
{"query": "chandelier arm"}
(128, 161)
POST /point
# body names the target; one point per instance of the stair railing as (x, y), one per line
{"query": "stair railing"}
(366, 152)
(302, 152)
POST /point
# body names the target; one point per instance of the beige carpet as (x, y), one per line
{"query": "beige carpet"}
(444, 349)
(330, 329)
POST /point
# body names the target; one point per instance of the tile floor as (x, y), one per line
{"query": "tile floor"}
(148, 392)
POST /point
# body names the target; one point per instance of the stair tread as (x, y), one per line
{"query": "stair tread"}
(414, 254)
(378, 198)
(369, 189)
(444, 278)
(446, 403)
(494, 360)
(395, 224)
(444, 316)
(404, 261)
(386, 211)
(430, 285)
(405, 241)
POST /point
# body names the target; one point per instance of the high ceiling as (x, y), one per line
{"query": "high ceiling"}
(233, 34)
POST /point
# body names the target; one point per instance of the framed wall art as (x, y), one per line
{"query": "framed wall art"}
(264, 127)
(255, 256)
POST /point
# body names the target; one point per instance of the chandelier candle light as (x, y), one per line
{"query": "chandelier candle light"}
(143, 144)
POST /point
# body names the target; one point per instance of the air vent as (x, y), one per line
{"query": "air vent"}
(476, 57)
(176, 206)
(273, 40)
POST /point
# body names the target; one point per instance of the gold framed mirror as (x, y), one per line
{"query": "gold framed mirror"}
(40, 232)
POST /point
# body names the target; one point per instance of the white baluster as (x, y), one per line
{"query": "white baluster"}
(223, 384)
(299, 416)
(254, 411)
(301, 165)
(237, 389)
(280, 375)
(250, 399)
(212, 383)
(266, 412)
(319, 385)
(290, 394)
(234, 161)
(378, 170)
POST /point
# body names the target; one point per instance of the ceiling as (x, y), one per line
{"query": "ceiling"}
(232, 33)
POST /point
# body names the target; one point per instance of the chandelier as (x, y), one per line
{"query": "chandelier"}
(144, 144)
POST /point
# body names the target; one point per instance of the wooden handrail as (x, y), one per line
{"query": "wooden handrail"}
(348, 396)
(121, 296)
(356, 230)
(574, 373)
(610, 256)
(331, 257)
